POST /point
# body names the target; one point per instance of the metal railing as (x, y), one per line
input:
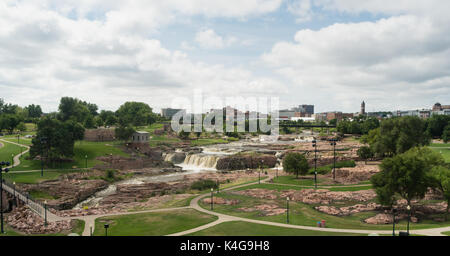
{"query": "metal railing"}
(36, 206)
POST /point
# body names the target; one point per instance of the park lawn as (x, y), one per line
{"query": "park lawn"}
(242, 228)
(445, 152)
(81, 149)
(281, 187)
(446, 233)
(306, 215)
(156, 140)
(172, 203)
(22, 140)
(8, 150)
(35, 177)
(440, 145)
(301, 181)
(152, 224)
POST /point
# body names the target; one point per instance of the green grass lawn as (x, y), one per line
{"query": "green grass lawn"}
(301, 181)
(280, 187)
(81, 149)
(7, 150)
(440, 145)
(304, 214)
(241, 228)
(152, 224)
(445, 152)
(446, 233)
(35, 177)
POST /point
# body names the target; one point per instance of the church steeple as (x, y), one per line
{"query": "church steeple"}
(363, 108)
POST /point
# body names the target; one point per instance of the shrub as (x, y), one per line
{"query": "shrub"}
(204, 185)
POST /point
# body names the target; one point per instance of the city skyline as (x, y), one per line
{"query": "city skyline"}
(330, 53)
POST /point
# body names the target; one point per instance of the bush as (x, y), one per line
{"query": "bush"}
(204, 185)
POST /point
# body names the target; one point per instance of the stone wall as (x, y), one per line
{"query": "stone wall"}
(100, 134)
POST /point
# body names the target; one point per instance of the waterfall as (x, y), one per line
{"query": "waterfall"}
(200, 161)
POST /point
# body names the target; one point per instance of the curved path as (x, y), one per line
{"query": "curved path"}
(17, 157)
(90, 219)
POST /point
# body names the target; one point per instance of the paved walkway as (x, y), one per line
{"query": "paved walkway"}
(17, 157)
(90, 219)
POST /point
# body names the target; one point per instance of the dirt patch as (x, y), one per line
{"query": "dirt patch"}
(325, 196)
(258, 193)
(219, 200)
(265, 209)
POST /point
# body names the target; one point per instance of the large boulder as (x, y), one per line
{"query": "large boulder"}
(242, 162)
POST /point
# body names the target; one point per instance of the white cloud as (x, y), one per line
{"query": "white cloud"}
(207, 38)
(301, 8)
(108, 60)
(395, 63)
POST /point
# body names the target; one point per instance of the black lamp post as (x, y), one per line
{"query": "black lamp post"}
(5, 170)
(85, 157)
(14, 192)
(394, 211)
(314, 144)
(287, 210)
(106, 229)
(409, 218)
(45, 213)
(333, 143)
(43, 140)
(12, 161)
(212, 199)
(18, 137)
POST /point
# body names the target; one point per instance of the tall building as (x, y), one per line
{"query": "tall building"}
(363, 108)
(308, 109)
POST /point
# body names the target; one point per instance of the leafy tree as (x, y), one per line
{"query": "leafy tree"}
(21, 127)
(98, 121)
(9, 122)
(441, 180)
(33, 111)
(436, 125)
(446, 134)
(89, 122)
(124, 133)
(296, 162)
(398, 135)
(333, 121)
(406, 175)
(73, 109)
(136, 114)
(55, 139)
(365, 153)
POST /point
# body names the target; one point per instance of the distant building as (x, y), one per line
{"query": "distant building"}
(140, 137)
(170, 112)
(363, 108)
(439, 107)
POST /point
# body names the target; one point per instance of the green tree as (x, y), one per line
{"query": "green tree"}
(124, 133)
(446, 134)
(441, 180)
(295, 163)
(73, 109)
(9, 122)
(436, 125)
(55, 139)
(136, 114)
(406, 175)
(398, 135)
(33, 111)
(365, 153)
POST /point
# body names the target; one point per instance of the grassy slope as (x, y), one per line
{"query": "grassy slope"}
(152, 224)
(240, 228)
(34, 177)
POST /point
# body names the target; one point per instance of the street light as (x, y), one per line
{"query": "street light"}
(18, 136)
(14, 190)
(5, 170)
(409, 218)
(287, 210)
(333, 143)
(43, 140)
(45, 213)
(394, 211)
(12, 161)
(212, 199)
(85, 157)
(314, 144)
(106, 229)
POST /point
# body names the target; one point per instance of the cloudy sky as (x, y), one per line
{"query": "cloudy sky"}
(330, 53)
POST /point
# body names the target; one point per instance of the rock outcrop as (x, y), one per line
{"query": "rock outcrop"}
(242, 162)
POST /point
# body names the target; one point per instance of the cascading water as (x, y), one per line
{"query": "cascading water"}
(200, 162)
